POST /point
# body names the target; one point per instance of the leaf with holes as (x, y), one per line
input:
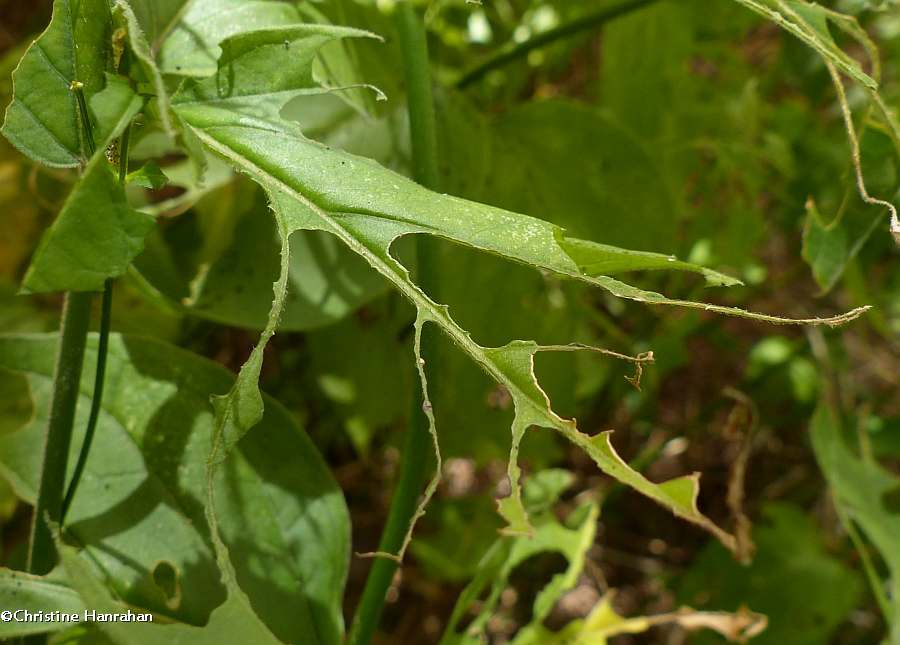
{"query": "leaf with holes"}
(146, 476)
(367, 207)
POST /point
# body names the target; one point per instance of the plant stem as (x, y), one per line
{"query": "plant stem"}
(417, 446)
(102, 349)
(73, 329)
(66, 380)
(512, 51)
(96, 400)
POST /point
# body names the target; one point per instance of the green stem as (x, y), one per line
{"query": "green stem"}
(102, 350)
(513, 51)
(86, 127)
(96, 399)
(417, 445)
(76, 318)
(73, 329)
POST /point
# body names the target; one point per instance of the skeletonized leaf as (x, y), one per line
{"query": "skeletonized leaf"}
(42, 119)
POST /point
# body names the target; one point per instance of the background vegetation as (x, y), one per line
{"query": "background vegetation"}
(696, 128)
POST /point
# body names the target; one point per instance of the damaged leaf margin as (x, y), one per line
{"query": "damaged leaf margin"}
(312, 187)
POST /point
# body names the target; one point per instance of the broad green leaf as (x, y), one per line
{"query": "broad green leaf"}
(42, 120)
(589, 178)
(865, 492)
(367, 207)
(146, 476)
(642, 82)
(803, 589)
(23, 591)
(95, 236)
(232, 622)
(192, 48)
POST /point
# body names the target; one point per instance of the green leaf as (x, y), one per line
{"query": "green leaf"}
(829, 246)
(42, 120)
(227, 276)
(146, 476)
(805, 591)
(22, 591)
(148, 176)
(590, 177)
(233, 621)
(112, 109)
(249, 82)
(367, 207)
(865, 492)
(192, 48)
(95, 236)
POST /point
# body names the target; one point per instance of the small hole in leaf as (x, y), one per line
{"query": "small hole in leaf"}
(165, 576)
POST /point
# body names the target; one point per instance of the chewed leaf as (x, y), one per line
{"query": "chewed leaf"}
(42, 119)
(232, 622)
(601, 259)
(367, 208)
(572, 539)
(810, 22)
(516, 362)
